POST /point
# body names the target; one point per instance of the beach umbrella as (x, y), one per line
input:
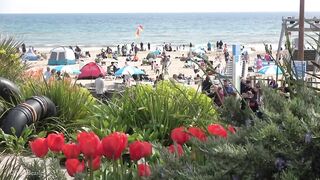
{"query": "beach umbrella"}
(66, 69)
(270, 70)
(128, 70)
(151, 55)
(198, 51)
(157, 52)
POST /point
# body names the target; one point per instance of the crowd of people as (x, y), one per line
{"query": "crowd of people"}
(51, 75)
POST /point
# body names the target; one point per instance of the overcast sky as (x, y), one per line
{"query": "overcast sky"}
(129, 6)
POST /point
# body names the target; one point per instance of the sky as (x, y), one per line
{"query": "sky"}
(156, 6)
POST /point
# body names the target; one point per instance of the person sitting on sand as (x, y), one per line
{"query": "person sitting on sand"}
(58, 76)
(183, 58)
(216, 94)
(197, 79)
(206, 84)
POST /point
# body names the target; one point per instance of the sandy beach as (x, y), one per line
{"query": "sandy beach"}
(176, 65)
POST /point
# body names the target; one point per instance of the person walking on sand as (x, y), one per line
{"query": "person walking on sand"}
(23, 48)
(209, 46)
(141, 46)
(118, 49)
(47, 74)
(136, 50)
(148, 46)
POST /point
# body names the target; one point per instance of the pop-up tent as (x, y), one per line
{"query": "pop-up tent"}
(91, 71)
(30, 56)
(61, 56)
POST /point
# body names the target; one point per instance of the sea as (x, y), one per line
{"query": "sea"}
(99, 30)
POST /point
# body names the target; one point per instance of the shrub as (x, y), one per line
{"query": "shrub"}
(72, 104)
(283, 144)
(154, 112)
(10, 63)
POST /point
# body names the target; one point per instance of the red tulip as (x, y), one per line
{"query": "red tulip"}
(55, 142)
(74, 166)
(217, 130)
(140, 149)
(39, 147)
(114, 144)
(95, 163)
(231, 129)
(198, 133)
(177, 148)
(71, 150)
(179, 135)
(144, 170)
(88, 144)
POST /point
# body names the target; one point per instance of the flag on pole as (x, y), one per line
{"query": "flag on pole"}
(139, 30)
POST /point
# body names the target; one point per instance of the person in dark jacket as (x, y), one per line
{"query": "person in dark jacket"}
(206, 84)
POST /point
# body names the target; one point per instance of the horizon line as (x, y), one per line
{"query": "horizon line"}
(155, 12)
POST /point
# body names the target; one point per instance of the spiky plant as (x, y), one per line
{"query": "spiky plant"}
(11, 66)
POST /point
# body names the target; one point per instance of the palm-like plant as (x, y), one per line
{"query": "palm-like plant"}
(10, 63)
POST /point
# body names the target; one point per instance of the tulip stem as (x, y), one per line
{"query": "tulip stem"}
(91, 168)
(121, 171)
(45, 168)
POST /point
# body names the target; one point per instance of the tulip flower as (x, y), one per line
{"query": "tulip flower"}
(55, 142)
(71, 150)
(88, 144)
(74, 166)
(231, 129)
(144, 170)
(114, 144)
(198, 133)
(179, 135)
(139, 149)
(39, 147)
(176, 149)
(95, 163)
(217, 130)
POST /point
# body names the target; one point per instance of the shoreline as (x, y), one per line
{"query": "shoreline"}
(257, 47)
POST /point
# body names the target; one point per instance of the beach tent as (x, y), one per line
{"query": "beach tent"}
(30, 56)
(61, 56)
(91, 70)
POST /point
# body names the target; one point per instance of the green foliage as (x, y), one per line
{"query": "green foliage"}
(10, 168)
(72, 104)
(235, 111)
(39, 169)
(14, 144)
(284, 144)
(10, 63)
(154, 112)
